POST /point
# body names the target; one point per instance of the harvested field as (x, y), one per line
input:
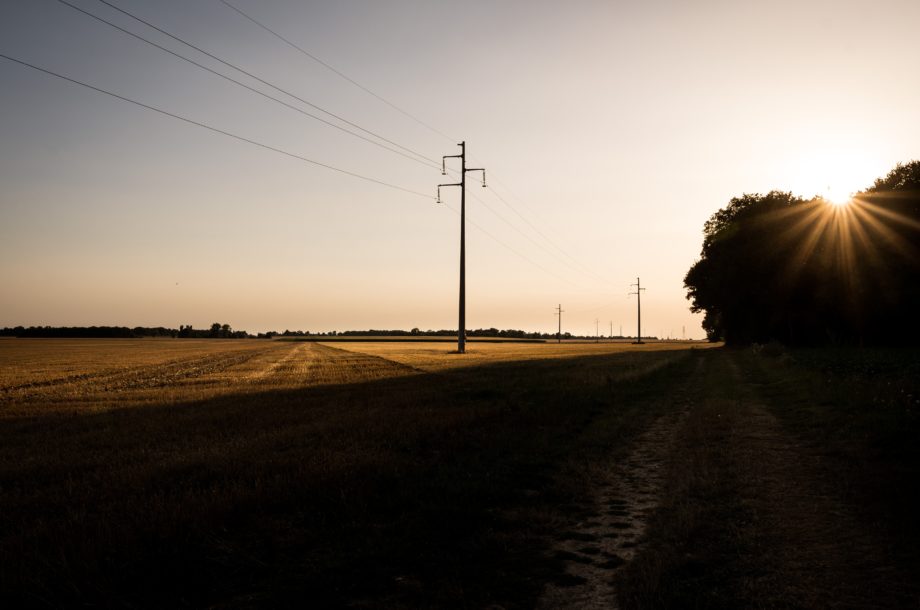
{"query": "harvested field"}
(226, 473)
(48, 374)
(438, 357)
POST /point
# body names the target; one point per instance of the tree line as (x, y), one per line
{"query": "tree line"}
(224, 331)
(779, 267)
(217, 331)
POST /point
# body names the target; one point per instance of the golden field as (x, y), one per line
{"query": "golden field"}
(168, 473)
(56, 374)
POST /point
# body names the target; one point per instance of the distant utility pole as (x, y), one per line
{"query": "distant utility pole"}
(461, 328)
(559, 312)
(611, 329)
(597, 330)
(638, 294)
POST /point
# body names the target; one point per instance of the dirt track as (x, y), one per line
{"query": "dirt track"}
(793, 540)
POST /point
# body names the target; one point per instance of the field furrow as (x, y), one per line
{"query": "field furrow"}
(331, 365)
(124, 380)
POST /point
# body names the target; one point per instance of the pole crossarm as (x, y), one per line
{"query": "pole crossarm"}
(479, 169)
(439, 189)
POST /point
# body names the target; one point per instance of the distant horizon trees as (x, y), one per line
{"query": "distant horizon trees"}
(225, 331)
(81, 332)
(779, 267)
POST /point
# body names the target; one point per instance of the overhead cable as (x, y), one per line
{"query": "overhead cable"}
(216, 129)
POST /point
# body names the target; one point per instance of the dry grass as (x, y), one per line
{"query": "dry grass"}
(241, 474)
(441, 357)
(44, 375)
(96, 374)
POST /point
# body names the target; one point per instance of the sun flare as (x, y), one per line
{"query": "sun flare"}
(833, 174)
(838, 197)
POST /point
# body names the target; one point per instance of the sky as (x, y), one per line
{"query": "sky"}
(610, 132)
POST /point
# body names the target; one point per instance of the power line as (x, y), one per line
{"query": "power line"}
(528, 237)
(294, 96)
(512, 250)
(245, 86)
(265, 82)
(575, 267)
(582, 268)
(339, 73)
(216, 129)
(578, 266)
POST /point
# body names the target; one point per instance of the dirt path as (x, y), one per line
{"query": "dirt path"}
(619, 507)
(778, 532)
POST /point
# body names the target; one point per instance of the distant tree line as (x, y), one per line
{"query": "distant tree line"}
(102, 332)
(224, 331)
(778, 267)
(217, 331)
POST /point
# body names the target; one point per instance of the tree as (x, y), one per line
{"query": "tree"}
(779, 267)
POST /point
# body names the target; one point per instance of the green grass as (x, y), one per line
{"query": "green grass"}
(815, 508)
(860, 410)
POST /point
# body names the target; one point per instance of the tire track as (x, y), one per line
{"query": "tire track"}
(595, 549)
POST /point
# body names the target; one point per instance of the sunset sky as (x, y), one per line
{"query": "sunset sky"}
(613, 130)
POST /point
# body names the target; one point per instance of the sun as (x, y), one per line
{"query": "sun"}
(831, 173)
(837, 197)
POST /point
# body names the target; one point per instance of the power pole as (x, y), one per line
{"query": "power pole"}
(638, 294)
(597, 331)
(559, 312)
(461, 327)
(611, 329)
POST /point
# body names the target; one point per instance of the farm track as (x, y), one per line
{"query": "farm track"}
(617, 512)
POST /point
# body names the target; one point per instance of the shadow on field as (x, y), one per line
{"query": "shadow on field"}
(432, 489)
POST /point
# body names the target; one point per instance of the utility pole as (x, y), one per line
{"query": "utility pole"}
(461, 327)
(597, 331)
(611, 329)
(559, 313)
(638, 294)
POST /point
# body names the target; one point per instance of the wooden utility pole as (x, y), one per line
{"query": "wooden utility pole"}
(461, 326)
(559, 313)
(597, 330)
(638, 294)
